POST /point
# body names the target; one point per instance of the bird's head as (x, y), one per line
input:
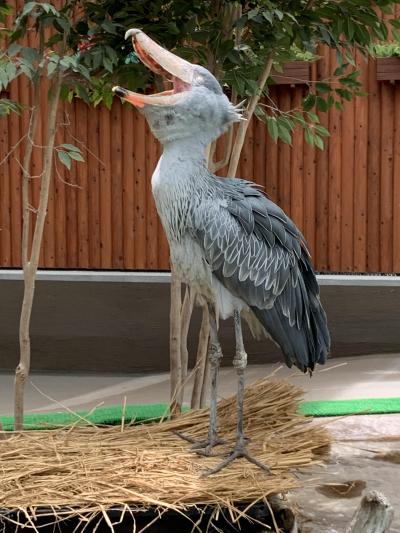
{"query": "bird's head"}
(195, 106)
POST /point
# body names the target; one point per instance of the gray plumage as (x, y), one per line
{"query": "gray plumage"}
(228, 240)
(260, 256)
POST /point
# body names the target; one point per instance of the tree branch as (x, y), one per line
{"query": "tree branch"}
(241, 133)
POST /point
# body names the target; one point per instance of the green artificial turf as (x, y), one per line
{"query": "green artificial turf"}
(368, 406)
(112, 415)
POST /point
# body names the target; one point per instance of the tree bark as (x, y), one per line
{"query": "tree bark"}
(242, 129)
(186, 313)
(175, 343)
(31, 265)
(374, 515)
(201, 359)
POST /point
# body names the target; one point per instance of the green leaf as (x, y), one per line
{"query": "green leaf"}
(65, 159)
(313, 116)
(309, 137)
(3, 79)
(28, 8)
(107, 64)
(76, 155)
(321, 104)
(309, 102)
(319, 143)
(13, 49)
(321, 130)
(299, 118)
(62, 24)
(323, 87)
(11, 70)
(284, 134)
(70, 147)
(84, 71)
(349, 28)
(51, 68)
(109, 27)
(108, 99)
(344, 93)
(30, 54)
(273, 128)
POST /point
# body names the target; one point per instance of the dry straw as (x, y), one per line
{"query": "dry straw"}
(85, 470)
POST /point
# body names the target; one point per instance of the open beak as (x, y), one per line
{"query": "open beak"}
(159, 60)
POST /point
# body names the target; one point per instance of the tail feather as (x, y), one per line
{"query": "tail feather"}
(306, 342)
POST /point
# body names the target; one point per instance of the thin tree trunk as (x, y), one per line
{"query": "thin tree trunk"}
(201, 359)
(26, 174)
(30, 267)
(175, 342)
(242, 129)
(186, 313)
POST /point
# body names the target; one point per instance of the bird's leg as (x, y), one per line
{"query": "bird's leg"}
(204, 447)
(240, 363)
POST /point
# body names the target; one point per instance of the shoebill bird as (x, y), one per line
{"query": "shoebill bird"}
(228, 241)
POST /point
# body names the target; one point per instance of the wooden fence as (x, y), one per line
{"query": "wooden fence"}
(346, 199)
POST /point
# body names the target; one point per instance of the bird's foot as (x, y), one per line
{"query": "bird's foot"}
(201, 447)
(239, 451)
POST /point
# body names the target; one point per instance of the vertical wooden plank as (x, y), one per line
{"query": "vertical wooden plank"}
(396, 183)
(93, 170)
(246, 158)
(386, 214)
(140, 192)
(163, 247)
(48, 244)
(335, 175)
(82, 110)
(128, 173)
(60, 219)
(284, 156)
(322, 195)
(14, 135)
(347, 195)
(374, 157)
(309, 221)
(271, 159)
(296, 168)
(71, 200)
(117, 227)
(151, 214)
(105, 189)
(5, 215)
(259, 140)
(360, 174)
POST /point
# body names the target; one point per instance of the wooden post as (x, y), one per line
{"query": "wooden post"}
(374, 515)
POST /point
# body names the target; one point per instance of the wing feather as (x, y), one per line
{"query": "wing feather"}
(259, 255)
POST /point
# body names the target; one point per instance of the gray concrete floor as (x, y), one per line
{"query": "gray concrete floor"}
(345, 378)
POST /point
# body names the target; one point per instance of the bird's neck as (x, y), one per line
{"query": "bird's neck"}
(189, 151)
(178, 182)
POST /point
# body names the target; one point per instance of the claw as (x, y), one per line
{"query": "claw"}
(239, 451)
(201, 447)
